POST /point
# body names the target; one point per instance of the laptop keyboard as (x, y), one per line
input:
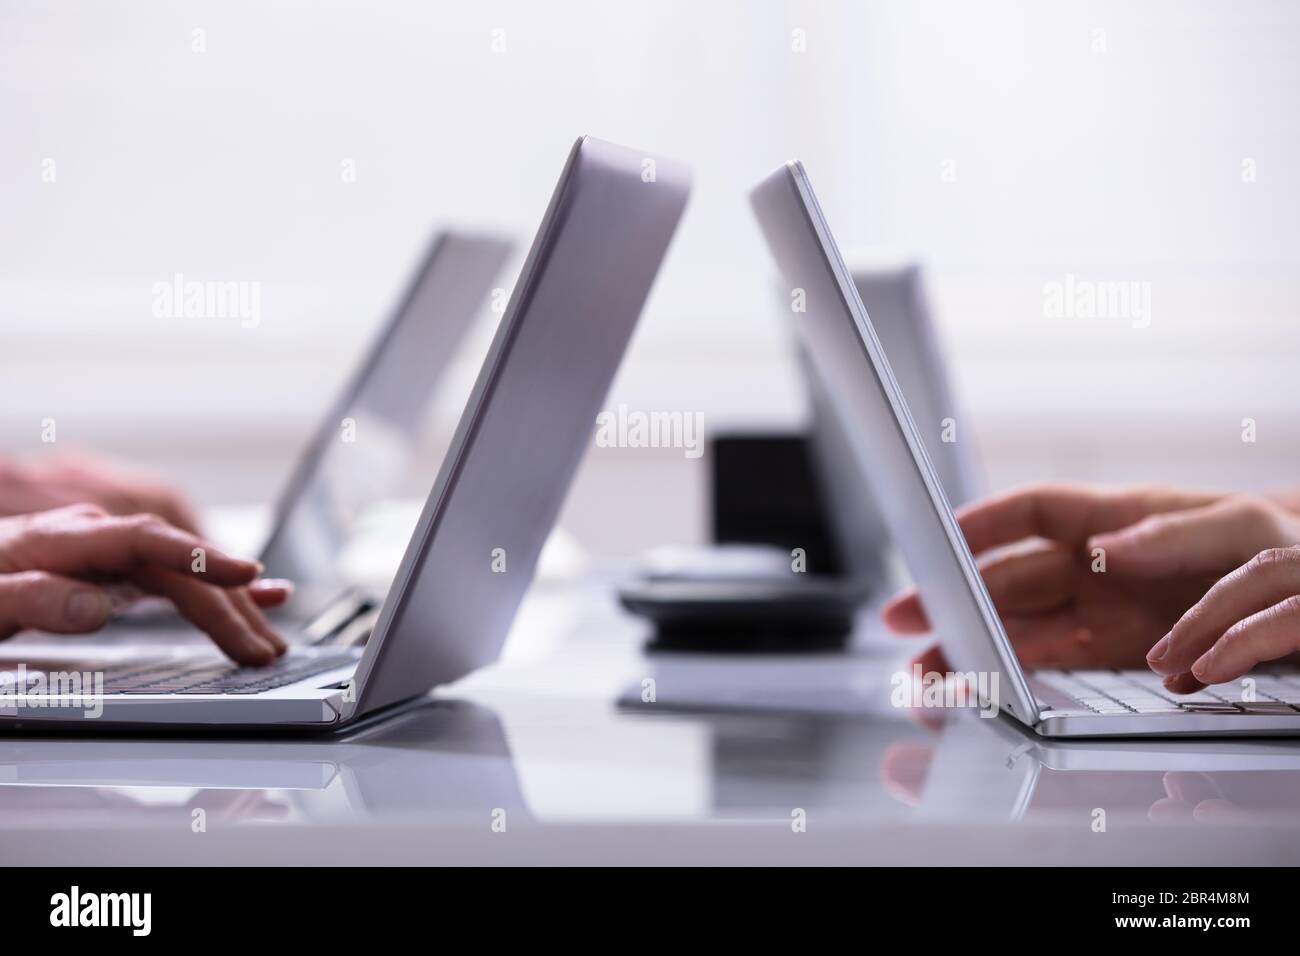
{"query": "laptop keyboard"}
(1141, 692)
(219, 678)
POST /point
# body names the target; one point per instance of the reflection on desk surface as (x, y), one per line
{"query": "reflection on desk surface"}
(444, 758)
(559, 733)
(1157, 781)
(458, 763)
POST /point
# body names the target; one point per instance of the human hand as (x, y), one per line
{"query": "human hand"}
(60, 570)
(53, 481)
(1036, 548)
(1250, 616)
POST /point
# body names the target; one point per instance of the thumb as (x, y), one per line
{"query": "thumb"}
(51, 602)
(1212, 539)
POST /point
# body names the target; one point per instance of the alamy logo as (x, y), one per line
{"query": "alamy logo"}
(626, 428)
(977, 689)
(75, 908)
(1074, 298)
(181, 299)
(39, 689)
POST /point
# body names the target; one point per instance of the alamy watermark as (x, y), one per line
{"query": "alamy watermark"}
(1075, 298)
(190, 299)
(44, 690)
(76, 908)
(630, 428)
(977, 689)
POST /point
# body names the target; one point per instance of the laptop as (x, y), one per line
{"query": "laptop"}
(522, 434)
(894, 292)
(747, 596)
(334, 481)
(382, 404)
(847, 356)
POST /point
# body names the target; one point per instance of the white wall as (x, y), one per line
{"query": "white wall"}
(225, 165)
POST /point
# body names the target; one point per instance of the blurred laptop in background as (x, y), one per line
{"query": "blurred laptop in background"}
(799, 541)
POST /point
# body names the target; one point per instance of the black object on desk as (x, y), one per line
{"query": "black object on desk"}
(775, 580)
(764, 491)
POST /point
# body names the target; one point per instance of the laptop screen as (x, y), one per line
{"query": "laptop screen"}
(850, 362)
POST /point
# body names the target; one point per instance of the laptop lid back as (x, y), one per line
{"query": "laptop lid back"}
(848, 358)
(364, 443)
(893, 294)
(528, 422)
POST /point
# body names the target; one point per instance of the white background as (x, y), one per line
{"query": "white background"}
(1122, 164)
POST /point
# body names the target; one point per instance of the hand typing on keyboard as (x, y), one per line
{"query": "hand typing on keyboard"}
(1086, 576)
(1250, 616)
(64, 570)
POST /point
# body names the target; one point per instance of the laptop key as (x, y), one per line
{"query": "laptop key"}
(1277, 690)
(1271, 707)
(1108, 708)
(1217, 708)
(1153, 706)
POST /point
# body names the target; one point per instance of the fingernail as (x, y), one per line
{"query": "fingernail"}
(1202, 668)
(88, 608)
(273, 584)
(1158, 652)
(263, 652)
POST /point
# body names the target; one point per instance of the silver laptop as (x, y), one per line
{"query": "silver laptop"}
(848, 358)
(334, 481)
(894, 292)
(383, 405)
(732, 596)
(472, 555)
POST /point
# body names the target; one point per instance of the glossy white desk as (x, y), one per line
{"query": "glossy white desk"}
(536, 760)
